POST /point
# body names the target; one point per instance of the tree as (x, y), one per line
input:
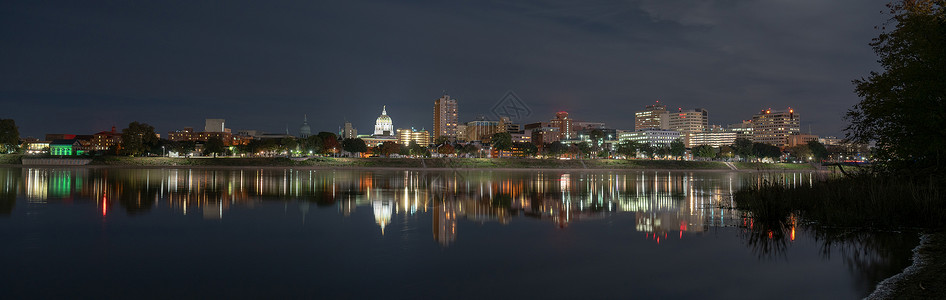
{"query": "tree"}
(416, 149)
(596, 136)
(446, 149)
(800, 152)
(329, 142)
(742, 147)
(583, 148)
(389, 148)
(138, 139)
(182, 147)
(556, 148)
(761, 150)
(469, 149)
(902, 107)
(502, 141)
(528, 149)
(290, 144)
(215, 146)
(9, 136)
(354, 145)
(648, 150)
(628, 148)
(314, 143)
(403, 150)
(725, 152)
(818, 151)
(677, 148)
(440, 140)
(704, 151)
(663, 151)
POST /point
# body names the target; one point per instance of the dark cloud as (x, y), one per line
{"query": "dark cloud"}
(84, 66)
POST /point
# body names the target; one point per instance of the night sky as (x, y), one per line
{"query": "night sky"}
(83, 66)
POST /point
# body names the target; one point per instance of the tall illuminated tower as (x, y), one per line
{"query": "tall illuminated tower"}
(445, 118)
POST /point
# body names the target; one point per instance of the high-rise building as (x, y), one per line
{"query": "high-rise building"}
(687, 122)
(384, 126)
(585, 125)
(214, 125)
(482, 129)
(652, 117)
(349, 132)
(742, 129)
(509, 126)
(445, 117)
(774, 126)
(564, 124)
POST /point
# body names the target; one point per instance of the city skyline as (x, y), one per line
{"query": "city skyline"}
(161, 64)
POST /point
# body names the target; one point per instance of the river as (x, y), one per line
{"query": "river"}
(409, 234)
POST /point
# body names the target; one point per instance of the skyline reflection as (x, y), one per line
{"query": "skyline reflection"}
(664, 203)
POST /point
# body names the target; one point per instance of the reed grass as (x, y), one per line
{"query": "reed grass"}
(866, 201)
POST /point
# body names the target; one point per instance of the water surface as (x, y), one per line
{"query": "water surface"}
(266, 233)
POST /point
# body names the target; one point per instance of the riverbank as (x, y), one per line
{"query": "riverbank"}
(867, 203)
(924, 279)
(430, 163)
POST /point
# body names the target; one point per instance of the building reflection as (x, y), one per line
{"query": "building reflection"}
(664, 204)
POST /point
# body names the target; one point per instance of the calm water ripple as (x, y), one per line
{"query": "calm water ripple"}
(302, 233)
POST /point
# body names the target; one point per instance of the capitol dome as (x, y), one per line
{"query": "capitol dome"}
(383, 126)
(305, 131)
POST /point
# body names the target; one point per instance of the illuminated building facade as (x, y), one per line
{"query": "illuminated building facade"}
(687, 122)
(653, 137)
(188, 135)
(383, 126)
(214, 125)
(801, 139)
(715, 137)
(406, 136)
(482, 129)
(105, 140)
(445, 118)
(349, 132)
(564, 124)
(65, 147)
(652, 117)
(742, 129)
(773, 127)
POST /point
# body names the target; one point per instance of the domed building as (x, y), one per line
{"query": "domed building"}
(383, 126)
(305, 131)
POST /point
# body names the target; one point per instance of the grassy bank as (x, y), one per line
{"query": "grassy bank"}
(772, 166)
(10, 159)
(427, 163)
(474, 163)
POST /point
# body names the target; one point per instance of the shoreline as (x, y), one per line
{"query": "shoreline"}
(432, 164)
(924, 279)
(463, 168)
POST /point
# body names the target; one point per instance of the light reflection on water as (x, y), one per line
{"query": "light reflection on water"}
(660, 205)
(663, 202)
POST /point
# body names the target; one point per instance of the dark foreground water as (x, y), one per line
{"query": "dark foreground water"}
(287, 233)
